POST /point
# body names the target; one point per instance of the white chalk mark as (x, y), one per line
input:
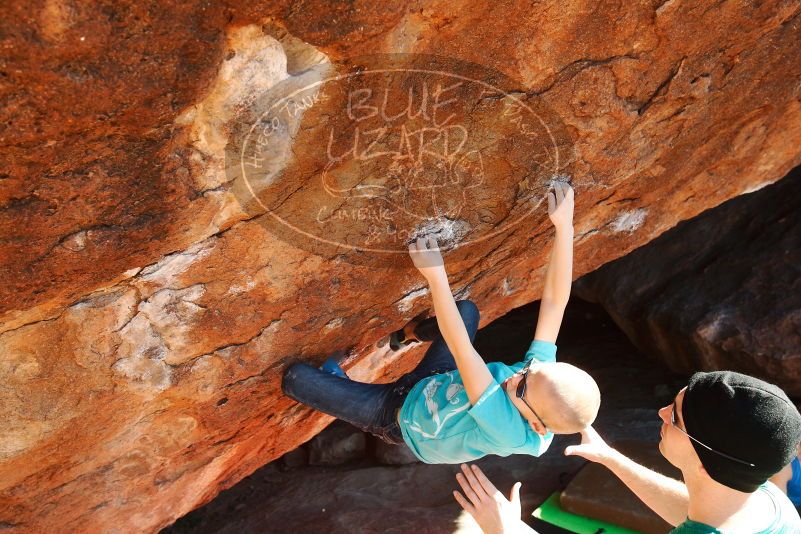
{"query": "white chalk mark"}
(629, 221)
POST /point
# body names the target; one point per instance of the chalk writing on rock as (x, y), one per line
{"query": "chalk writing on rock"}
(357, 159)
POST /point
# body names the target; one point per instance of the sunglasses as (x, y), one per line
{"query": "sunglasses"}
(674, 418)
(520, 393)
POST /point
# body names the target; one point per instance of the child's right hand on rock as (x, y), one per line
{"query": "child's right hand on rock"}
(560, 205)
(427, 258)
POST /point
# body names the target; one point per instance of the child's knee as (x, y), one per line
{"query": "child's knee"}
(292, 377)
(468, 309)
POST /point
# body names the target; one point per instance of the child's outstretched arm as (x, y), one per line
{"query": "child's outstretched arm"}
(559, 275)
(475, 374)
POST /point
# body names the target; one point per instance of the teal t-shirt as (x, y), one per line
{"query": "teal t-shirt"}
(785, 518)
(441, 427)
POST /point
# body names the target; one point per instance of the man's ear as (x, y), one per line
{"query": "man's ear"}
(537, 427)
(702, 470)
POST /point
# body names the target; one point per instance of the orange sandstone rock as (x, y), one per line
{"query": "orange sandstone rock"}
(146, 311)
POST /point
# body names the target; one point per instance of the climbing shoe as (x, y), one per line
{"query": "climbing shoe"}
(331, 365)
(399, 339)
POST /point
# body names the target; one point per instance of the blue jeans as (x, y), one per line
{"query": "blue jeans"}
(372, 407)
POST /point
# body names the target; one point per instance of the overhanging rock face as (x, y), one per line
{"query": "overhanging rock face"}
(149, 304)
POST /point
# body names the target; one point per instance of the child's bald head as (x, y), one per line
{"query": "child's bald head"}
(568, 396)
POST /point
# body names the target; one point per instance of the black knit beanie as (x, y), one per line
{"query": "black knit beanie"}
(743, 417)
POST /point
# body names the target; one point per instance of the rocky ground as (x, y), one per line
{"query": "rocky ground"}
(365, 496)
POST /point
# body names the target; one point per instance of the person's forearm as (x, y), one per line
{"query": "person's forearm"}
(474, 372)
(664, 495)
(559, 275)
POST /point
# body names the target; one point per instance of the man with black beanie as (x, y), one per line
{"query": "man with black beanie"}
(728, 433)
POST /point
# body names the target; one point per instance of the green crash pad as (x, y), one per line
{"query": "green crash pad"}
(551, 512)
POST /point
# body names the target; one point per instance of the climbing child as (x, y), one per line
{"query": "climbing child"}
(453, 407)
